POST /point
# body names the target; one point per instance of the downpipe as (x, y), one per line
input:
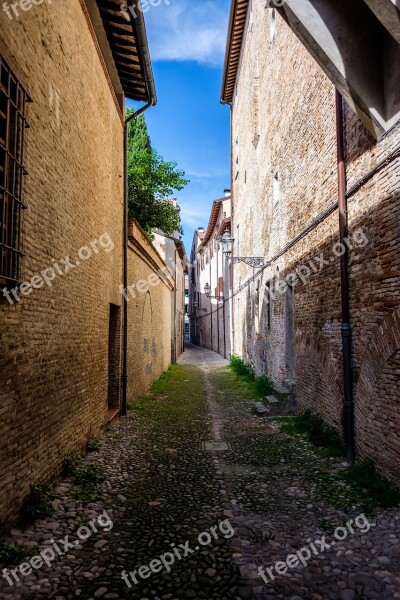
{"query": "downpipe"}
(125, 261)
(346, 329)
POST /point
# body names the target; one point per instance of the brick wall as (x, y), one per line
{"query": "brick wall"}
(150, 287)
(283, 139)
(54, 343)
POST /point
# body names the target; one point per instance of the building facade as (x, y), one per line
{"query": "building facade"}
(173, 253)
(150, 295)
(61, 234)
(209, 282)
(287, 136)
(187, 321)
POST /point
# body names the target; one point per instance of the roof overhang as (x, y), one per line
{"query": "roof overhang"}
(237, 22)
(216, 207)
(356, 44)
(123, 41)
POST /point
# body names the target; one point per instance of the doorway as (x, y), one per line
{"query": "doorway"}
(114, 358)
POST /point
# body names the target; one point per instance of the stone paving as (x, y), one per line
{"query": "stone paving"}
(193, 470)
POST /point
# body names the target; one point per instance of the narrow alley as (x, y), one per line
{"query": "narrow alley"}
(200, 300)
(199, 492)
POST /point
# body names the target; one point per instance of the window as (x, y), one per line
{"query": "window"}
(251, 16)
(272, 29)
(13, 100)
(276, 189)
(237, 157)
(114, 357)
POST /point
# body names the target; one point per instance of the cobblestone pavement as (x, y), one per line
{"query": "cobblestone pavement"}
(190, 462)
(201, 357)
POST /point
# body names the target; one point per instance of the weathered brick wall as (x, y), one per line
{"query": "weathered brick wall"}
(284, 139)
(150, 287)
(54, 343)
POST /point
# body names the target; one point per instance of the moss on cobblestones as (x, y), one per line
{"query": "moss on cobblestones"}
(173, 497)
(163, 487)
(284, 454)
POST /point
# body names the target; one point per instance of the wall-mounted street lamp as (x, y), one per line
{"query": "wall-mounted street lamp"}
(227, 248)
(227, 243)
(207, 290)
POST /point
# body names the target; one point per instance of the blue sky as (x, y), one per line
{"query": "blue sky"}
(189, 125)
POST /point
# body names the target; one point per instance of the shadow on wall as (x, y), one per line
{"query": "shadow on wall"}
(375, 312)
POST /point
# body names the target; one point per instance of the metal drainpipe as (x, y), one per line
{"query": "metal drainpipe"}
(348, 404)
(139, 30)
(125, 260)
(230, 270)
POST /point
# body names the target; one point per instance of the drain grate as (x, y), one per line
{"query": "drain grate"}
(216, 446)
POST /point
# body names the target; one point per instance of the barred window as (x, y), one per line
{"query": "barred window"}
(13, 100)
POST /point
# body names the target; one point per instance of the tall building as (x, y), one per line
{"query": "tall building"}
(173, 253)
(315, 197)
(66, 70)
(210, 282)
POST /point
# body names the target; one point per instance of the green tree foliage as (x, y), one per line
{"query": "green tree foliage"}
(150, 181)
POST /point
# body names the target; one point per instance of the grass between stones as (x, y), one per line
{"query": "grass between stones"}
(257, 386)
(281, 450)
(174, 495)
(13, 554)
(320, 434)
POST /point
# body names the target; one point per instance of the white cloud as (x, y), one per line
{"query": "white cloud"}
(183, 30)
(194, 217)
(211, 174)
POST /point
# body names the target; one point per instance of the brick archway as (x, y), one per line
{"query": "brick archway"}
(318, 379)
(384, 344)
(377, 410)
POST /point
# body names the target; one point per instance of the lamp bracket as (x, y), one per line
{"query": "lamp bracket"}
(251, 261)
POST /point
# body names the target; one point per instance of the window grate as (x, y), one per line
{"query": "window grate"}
(13, 101)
